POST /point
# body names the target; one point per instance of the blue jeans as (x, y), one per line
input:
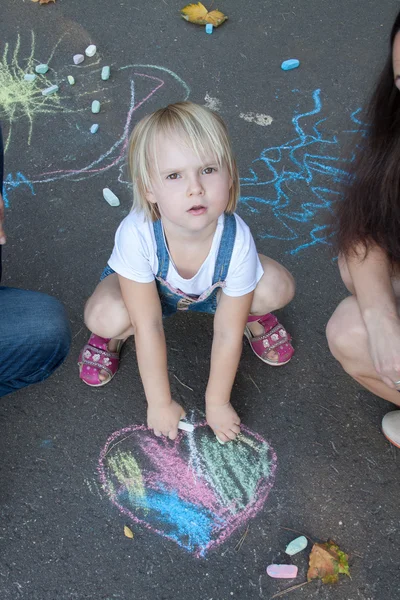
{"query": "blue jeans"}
(34, 337)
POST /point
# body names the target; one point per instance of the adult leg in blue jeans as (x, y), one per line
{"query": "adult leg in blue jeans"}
(34, 331)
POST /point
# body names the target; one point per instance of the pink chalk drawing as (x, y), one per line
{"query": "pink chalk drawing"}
(192, 490)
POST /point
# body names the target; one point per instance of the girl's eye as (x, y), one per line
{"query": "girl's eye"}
(173, 176)
(209, 170)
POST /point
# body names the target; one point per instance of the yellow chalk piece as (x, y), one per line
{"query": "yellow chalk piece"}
(128, 532)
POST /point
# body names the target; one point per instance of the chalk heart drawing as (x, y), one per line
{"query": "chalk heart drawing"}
(193, 490)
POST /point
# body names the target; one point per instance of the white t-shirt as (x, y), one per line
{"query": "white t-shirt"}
(135, 257)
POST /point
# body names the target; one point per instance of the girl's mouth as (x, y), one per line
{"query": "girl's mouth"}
(199, 209)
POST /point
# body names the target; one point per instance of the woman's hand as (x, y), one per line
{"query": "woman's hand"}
(164, 418)
(223, 420)
(384, 347)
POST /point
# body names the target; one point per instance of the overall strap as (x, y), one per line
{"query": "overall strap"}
(162, 252)
(225, 249)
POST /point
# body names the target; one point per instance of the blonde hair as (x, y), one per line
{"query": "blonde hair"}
(203, 131)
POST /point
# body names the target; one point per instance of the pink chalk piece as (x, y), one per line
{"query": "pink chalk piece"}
(282, 571)
(78, 59)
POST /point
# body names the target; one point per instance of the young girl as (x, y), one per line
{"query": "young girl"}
(364, 331)
(179, 248)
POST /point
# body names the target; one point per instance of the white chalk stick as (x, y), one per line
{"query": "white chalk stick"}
(185, 426)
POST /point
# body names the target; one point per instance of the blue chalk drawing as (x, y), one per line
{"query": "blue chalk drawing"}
(311, 160)
(11, 183)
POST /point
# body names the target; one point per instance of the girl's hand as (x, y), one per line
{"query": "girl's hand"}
(164, 418)
(384, 347)
(223, 420)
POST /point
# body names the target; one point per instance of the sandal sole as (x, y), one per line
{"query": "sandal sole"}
(268, 362)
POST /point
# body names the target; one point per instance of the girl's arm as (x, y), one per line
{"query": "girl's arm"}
(143, 304)
(229, 324)
(373, 288)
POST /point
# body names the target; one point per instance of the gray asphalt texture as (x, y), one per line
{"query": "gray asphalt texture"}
(337, 476)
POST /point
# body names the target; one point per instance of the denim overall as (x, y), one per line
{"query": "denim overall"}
(173, 300)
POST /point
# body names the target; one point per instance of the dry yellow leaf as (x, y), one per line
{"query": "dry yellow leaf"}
(43, 1)
(198, 14)
(128, 532)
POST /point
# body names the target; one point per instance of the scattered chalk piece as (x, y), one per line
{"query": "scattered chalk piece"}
(291, 63)
(110, 197)
(50, 90)
(282, 571)
(91, 50)
(71, 80)
(105, 73)
(95, 107)
(209, 28)
(42, 69)
(186, 426)
(297, 545)
(78, 59)
(29, 77)
(94, 128)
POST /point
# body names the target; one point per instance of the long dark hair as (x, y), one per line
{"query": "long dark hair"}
(370, 211)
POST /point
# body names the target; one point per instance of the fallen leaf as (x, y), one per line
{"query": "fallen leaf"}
(128, 532)
(43, 1)
(198, 14)
(326, 562)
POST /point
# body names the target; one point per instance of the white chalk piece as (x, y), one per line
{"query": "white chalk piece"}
(290, 64)
(105, 73)
(91, 50)
(94, 128)
(95, 107)
(78, 59)
(185, 426)
(220, 441)
(42, 69)
(30, 77)
(71, 80)
(110, 197)
(282, 571)
(50, 90)
(297, 545)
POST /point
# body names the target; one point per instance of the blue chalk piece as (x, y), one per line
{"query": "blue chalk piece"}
(290, 64)
(209, 28)
(94, 128)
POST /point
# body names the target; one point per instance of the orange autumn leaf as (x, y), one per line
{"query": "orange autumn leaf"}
(43, 1)
(326, 562)
(198, 14)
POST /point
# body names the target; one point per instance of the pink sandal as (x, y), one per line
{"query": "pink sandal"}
(96, 357)
(275, 338)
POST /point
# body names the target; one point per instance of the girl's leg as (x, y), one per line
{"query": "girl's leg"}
(275, 290)
(106, 315)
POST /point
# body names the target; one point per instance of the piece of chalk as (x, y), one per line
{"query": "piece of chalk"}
(185, 426)
(110, 197)
(91, 50)
(71, 80)
(105, 73)
(95, 106)
(290, 64)
(78, 59)
(282, 571)
(297, 545)
(42, 69)
(220, 441)
(209, 28)
(94, 128)
(50, 90)
(30, 77)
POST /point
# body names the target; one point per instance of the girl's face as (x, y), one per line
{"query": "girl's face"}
(396, 59)
(191, 192)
